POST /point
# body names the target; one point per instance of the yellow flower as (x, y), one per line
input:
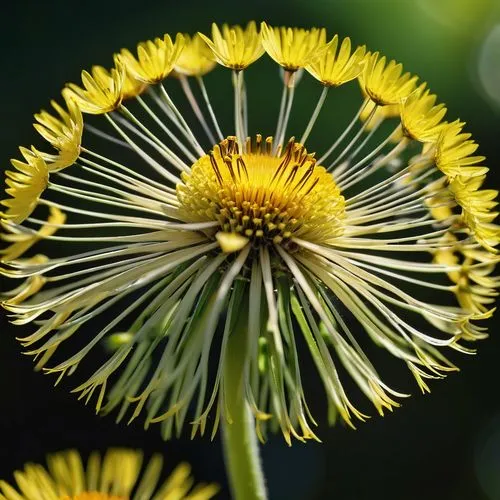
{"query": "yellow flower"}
(63, 133)
(232, 258)
(132, 87)
(420, 117)
(155, 58)
(337, 65)
(477, 205)
(453, 153)
(196, 59)
(475, 287)
(102, 90)
(385, 83)
(29, 287)
(25, 185)
(117, 476)
(235, 47)
(23, 241)
(293, 48)
(440, 211)
(447, 255)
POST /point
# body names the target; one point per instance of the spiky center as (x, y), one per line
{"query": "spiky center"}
(264, 196)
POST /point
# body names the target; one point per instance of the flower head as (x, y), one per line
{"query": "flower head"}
(196, 58)
(25, 185)
(454, 150)
(338, 65)
(115, 476)
(385, 83)
(102, 90)
(420, 117)
(235, 47)
(475, 288)
(237, 249)
(155, 58)
(64, 134)
(30, 286)
(477, 205)
(293, 48)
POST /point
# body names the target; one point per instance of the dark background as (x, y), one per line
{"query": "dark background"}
(445, 445)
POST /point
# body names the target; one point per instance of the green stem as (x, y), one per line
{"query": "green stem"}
(241, 448)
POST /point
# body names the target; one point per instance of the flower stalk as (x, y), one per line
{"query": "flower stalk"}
(241, 448)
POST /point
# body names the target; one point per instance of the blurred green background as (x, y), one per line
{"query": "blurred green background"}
(445, 445)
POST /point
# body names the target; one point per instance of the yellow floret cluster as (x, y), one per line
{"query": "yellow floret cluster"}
(263, 196)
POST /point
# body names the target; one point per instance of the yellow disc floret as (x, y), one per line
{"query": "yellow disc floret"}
(101, 92)
(337, 65)
(235, 47)
(475, 288)
(477, 209)
(155, 58)
(63, 132)
(25, 185)
(454, 153)
(385, 83)
(263, 196)
(421, 118)
(293, 48)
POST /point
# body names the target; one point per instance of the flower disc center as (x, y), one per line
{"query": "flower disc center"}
(262, 195)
